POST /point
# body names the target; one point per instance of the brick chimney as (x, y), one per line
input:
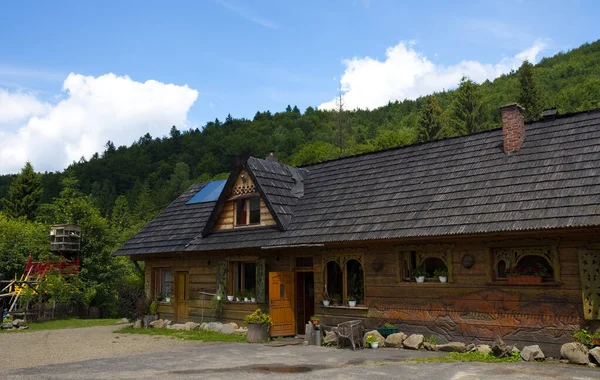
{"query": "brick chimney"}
(513, 127)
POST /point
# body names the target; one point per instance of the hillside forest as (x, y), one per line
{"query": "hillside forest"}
(113, 193)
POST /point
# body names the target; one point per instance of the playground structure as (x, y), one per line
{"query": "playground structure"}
(66, 242)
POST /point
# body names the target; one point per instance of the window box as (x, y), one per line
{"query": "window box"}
(525, 279)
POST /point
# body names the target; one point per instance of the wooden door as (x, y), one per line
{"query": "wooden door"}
(182, 296)
(281, 300)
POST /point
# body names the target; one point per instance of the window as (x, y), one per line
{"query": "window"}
(244, 277)
(428, 258)
(505, 259)
(344, 279)
(247, 211)
(162, 283)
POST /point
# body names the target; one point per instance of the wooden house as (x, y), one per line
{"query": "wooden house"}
(524, 195)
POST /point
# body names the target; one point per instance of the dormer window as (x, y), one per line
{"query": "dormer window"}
(247, 211)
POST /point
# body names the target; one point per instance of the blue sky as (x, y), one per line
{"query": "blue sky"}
(239, 56)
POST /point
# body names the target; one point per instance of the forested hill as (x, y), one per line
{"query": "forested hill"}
(154, 170)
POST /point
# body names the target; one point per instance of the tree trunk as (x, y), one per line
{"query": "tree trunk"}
(258, 333)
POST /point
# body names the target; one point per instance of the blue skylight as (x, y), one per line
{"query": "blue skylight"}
(209, 193)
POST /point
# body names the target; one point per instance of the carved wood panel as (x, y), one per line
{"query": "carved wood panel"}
(589, 269)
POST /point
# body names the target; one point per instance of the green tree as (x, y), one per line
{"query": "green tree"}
(529, 95)
(24, 194)
(468, 111)
(431, 125)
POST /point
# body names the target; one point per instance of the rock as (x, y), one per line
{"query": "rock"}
(191, 326)
(395, 340)
(595, 354)
(158, 324)
(137, 324)
(575, 353)
(470, 347)
(7, 326)
(177, 326)
(531, 353)
(377, 336)
(500, 349)
(227, 329)
(240, 331)
(428, 346)
(515, 350)
(213, 326)
(234, 325)
(305, 343)
(203, 326)
(593, 365)
(484, 349)
(167, 323)
(23, 327)
(330, 338)
(451, 347)
(18, 322)
(413, 342)
(123, 321)
(564, 361)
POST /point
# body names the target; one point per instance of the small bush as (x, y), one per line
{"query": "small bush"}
(258, 317)
(585, 337)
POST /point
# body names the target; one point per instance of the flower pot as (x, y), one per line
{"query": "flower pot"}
(246, 299)
(230, 298)
(420, 279)
(147, 319)
(315, 321)
(525, 279)
(596, 341)
(325, 302)
(443, 278)
(387, 331)
(351, 303)
(257, 333)
(252, 299)
(238, 299)
(375, 345)
(168, 299)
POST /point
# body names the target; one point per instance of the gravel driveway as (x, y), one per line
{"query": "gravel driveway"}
(32, 349)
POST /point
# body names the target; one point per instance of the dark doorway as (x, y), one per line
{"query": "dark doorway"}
(305, 299)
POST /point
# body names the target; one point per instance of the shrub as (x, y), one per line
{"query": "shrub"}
(130, 292)
(258, 317)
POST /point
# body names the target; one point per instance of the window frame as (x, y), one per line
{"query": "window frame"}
(231, 275)
(342, 261)
(420, 253)
(547, 249)
(159, 282)
(247, 201)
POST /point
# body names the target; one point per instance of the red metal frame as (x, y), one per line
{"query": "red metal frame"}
(41, 268)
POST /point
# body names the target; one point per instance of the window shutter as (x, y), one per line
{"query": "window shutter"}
(222, 277)
(260, 281)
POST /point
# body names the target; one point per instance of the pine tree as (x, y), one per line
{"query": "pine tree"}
(529, 95)
(468, 112)
(24, 194)
(431, 125)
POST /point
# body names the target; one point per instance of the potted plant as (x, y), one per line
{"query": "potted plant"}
(246, 295)
(252, 295)
(387, 329)
(326, 300)
(526, 275)
(441, 274)
(239, 296)
(258, 326)
(419, 274)
(159, 297)
(168, 298)
(230, 298)
(314, 319)
(372, 341)
(351, 301)
(336, 299)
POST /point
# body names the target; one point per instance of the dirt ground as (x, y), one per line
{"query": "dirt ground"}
(32, 349)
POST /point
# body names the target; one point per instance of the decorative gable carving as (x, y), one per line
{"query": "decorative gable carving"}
(243, 185)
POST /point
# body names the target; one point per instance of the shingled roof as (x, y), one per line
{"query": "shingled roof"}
(461, 185)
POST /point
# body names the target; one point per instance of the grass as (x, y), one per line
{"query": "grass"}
(474, 356)
(203, 336)
(68, 324)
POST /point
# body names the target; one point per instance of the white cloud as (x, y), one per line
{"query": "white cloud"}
(15, 107)
(407, 74)
(95, 110)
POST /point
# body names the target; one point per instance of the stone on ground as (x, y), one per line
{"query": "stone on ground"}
(191, 326)
(413, 342)
(167, 323)
(23, 327)
(395, 340)
(330, 338)
(428, 346)
(575, 353)
(123, 321)
(470, 347)
(240, 331)
(213, 326)
(376, 335)
(227, 329)
(158, 324)
(531, 353)
(137, 324)
(7, 326)
(18, 322)
(177, 326)
(234, 325)
(501, 350)
(595, 353)
(484, 349)
(452, 347)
